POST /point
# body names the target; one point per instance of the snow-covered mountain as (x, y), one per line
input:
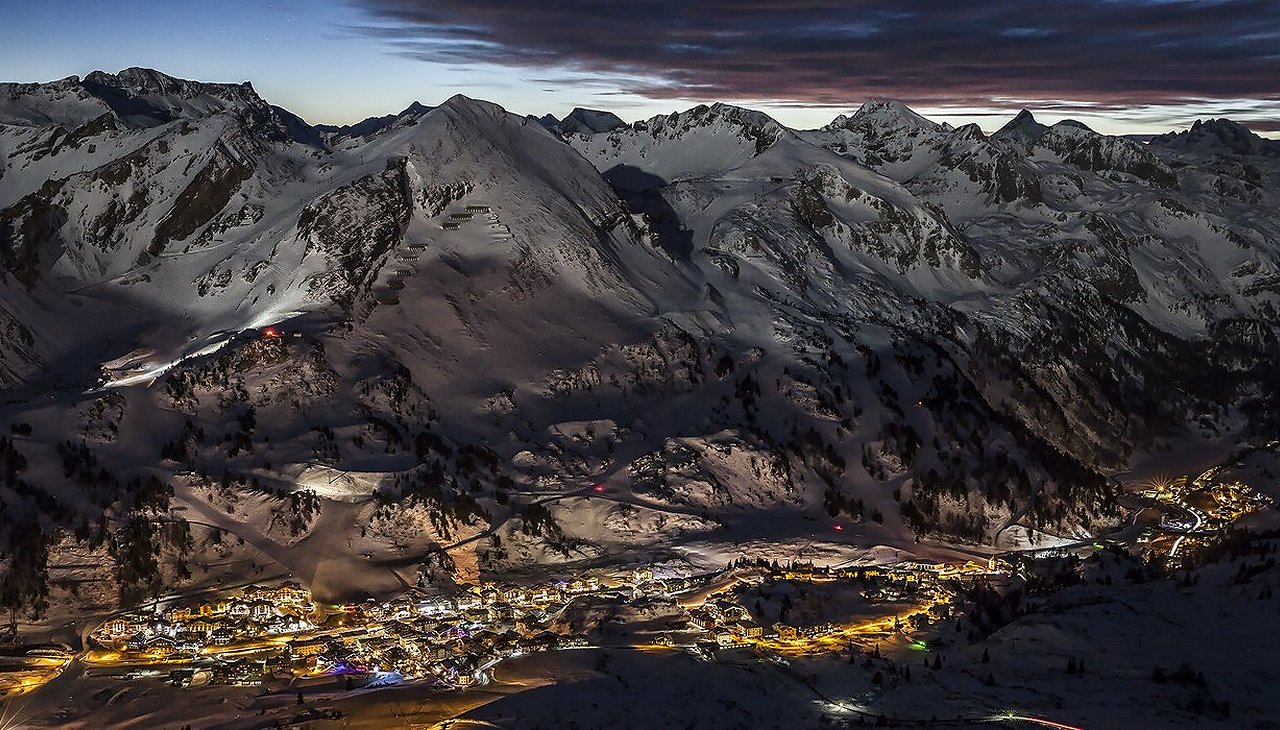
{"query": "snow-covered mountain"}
(738, 330)
(583, 121)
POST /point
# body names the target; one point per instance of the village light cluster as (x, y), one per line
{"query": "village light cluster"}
(281, 633)
(1195, 512)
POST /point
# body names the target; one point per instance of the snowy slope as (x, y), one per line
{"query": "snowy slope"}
(740, 331)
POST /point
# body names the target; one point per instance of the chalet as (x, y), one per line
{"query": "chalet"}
(450, 225)
(395, 284)
(263, 611)
(750, 629)
(160, 645)
(572, 642)
(181, 677)
(544, 641)
(239, 673)
(257, 593)
(434, 653)
(388, 299)
(175, 615)
(137, 642)
(437, 606)
(724, 637)
(786, 632)
(292, 592)
(583, 585)
(477, 209)
(310, 647)
(287, 625)
(702, 619)
(277, 666)
(189, 643)
(222, 637)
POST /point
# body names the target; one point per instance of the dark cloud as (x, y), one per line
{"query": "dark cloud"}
(1115, 53)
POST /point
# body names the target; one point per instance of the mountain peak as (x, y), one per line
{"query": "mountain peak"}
(749, 122)
(590, 121)
(462, 101)
(889, 112)
(1022, 128)
(150, 82)
(1223, 134)
(373, 125)
(416, 107)
(146, 97)
(472, 108)
(1074, 124)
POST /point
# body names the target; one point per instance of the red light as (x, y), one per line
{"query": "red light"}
(838, 528)
(270, 332)
(598, 488)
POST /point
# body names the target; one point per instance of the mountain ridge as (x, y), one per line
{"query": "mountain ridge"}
(738, 330)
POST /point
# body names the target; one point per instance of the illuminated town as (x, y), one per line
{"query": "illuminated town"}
(277, 636)
(278, 633)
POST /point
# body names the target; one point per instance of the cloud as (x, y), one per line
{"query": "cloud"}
(1084, 54)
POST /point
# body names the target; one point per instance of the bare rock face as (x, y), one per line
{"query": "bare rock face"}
(354, 228)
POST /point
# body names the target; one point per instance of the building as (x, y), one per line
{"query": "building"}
(257, 593)
(702, 619)
(176, 615)
(309, 648)
(189, 643)
(263, 611)
(292, 592)
(725, 637)
(583, 585)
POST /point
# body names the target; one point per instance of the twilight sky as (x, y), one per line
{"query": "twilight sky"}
(1120, 65)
